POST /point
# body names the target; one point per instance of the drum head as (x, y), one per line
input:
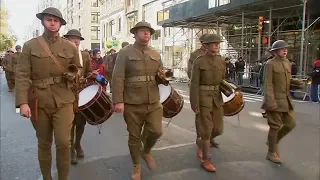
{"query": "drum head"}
(87, 94)
(164, 91)
(227, 99)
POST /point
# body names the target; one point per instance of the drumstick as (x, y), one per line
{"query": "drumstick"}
(168, 123)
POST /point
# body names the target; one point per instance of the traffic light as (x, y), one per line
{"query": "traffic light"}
(261, 23)
(265, 40)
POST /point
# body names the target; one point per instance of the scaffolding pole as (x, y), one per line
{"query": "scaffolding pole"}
(242, 32)
(270, 26)
(302, 35)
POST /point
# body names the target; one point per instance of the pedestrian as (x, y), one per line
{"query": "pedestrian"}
(79, 121)
(44, 61)
(240, 66)
(136, 94)
(277, 100)
(14, 61)
(205, 96)
(315, 74)
(98, 66)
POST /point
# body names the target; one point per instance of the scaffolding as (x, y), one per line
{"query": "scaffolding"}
(238, 27)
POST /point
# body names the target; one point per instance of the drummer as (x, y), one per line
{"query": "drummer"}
(79, 122)
(205, 96)
(136, 94)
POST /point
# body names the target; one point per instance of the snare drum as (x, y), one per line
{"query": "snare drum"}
(233, 104)
(94, 104)
(171, 101)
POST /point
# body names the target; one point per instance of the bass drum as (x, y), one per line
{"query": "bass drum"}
(94, 104)
(233, 104)
(171, 101)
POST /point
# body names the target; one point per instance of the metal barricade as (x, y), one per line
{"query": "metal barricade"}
(248, 80)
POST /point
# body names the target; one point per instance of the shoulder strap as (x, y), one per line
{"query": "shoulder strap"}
(45, 46)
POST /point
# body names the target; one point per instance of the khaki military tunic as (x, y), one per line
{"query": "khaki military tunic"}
(7, 66)
(194, 56)
(205, 94)
(134, 84)
(55, 112)
(277, 100)
(15, 59)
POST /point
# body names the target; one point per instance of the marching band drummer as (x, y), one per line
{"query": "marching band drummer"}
(136, 94)
(277, 99)
(205, 95)
(79, 121)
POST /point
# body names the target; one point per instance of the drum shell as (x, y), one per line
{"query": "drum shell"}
(98, 109)
(173, 104)
(234, 106)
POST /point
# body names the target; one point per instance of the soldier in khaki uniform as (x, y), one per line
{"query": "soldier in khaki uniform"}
(205, 95)
(277, 99)
(79, 121)
(7, 67)
(136, 94)
(55, 97)
(14, 61)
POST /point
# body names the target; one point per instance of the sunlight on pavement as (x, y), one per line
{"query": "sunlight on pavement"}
(262, 127)
(256, 114)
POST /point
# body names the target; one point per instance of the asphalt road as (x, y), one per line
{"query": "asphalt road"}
(241, 155)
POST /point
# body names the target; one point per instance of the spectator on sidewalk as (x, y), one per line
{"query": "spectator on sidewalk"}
(315, 74)
(240, 65)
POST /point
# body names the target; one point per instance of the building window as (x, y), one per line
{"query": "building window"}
(131, 22)
(216, 3)
(112, 27)
(119, 24)
(162, 15)
(156, 35)
(95, 17)
(95, 32)
(79, 5)
(95, 3)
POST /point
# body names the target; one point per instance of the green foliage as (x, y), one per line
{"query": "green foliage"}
(7, 41)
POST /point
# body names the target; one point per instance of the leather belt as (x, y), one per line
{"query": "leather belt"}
(209, 87)
(140, 79)
(48, 81)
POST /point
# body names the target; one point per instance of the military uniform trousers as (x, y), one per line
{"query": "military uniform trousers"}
(78, 127)
(211, 126)
(57, 122)
(281, 123)
(148, 117)
(10, 76)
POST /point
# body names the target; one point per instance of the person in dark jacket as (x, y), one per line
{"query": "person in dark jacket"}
(240, 66)
(315, 74)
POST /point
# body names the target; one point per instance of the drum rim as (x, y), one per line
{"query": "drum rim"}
(239, 109)
(94, 99)
(178, 110)
(102, 120)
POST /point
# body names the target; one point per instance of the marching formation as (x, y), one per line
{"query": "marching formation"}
(61, 88)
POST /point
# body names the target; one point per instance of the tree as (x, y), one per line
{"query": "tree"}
(7, 41)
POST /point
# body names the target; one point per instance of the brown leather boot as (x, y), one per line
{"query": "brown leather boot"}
(79, 150)
(208, 166)
(273, 157)
(149, 160)
(277, 148)
(136, 174)
(74, 159)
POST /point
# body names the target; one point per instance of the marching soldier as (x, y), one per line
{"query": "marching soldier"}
(14, 61)
(7, 67)
(79, 121)
(110, 62)
(205, 95)
(136, 94)
(277, 100)
(44, 61)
